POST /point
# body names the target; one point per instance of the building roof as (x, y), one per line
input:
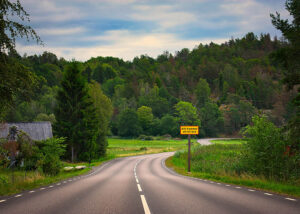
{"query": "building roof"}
(36, 130)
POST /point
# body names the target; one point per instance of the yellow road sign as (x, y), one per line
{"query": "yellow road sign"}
(189, 130)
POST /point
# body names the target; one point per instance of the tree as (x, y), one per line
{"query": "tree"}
(211, 119)
(202, 92)
(169, 125)
(11, 29)
(266, 152)
(15, 79)
(75, 115)
(289, 57)
(103, 108)
(145, 117)
(128, 125)
(187, 113)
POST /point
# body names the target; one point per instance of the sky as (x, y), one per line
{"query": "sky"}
(81, 29)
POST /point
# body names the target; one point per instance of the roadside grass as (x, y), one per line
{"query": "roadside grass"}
(15, 181)
(130, 147)
(230, 141)
(219, 162)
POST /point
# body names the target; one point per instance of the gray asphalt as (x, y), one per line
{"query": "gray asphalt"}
(113, 188)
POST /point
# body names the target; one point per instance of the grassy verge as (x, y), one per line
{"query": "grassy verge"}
(221, 163)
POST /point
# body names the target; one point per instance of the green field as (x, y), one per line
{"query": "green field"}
(221, 162)
(231, 141)
(129, 147)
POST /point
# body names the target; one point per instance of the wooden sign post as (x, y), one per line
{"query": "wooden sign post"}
(189, 130)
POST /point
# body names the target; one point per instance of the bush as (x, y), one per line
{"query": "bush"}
(52, 150)
(142, 137)
(266, 152)
(149, 138)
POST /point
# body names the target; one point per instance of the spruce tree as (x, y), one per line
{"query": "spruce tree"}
(75, 115)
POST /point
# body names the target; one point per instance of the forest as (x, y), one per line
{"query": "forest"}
(219, 87)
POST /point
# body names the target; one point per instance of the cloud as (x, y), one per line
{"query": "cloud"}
(60, 31)
(163, 15)
(82, 29)
(124, 44)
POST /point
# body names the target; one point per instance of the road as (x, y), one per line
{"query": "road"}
(142, 184)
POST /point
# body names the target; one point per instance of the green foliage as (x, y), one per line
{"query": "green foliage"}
(169, 125)
(103, 109)
(289, 58)
(76, 115)
(52, 149)
(187, 113)
(211, 119)
(202, 92)
(10, 28)
(128, 125)
(145, 117)
(266, 152)
(16, 79)
(238, 76)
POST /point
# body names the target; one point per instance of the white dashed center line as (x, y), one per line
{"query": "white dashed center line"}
(139, 187)
(31, 191)
(238, 187)
(42, 188)
(228, 185)
(291, 199)
(137, 180)
(267, 193)
(50, 186)
(145, 205)
(58, 184)
(251, 190)
(18, 196)
(2, 201)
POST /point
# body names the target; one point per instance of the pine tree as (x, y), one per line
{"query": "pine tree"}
(289, 57)
(75, 115)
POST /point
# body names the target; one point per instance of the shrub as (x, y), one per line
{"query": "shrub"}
(52, 150)
(149, 138)
(266, 151)
(142, 137)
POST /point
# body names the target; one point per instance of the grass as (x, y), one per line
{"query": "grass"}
(230, 141)
(12, 182)
(129, 147)
(220, 162)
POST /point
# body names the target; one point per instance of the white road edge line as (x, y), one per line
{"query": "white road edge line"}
(139, 187)
(291, 199)
(2, 201)
(267, 193)
(145, 205)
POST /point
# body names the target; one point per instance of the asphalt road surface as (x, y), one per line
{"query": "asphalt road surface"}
(142, 184)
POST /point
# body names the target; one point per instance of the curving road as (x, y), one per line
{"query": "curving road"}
(142, 184)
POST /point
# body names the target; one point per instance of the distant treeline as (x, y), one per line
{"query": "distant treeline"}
(218, 86)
